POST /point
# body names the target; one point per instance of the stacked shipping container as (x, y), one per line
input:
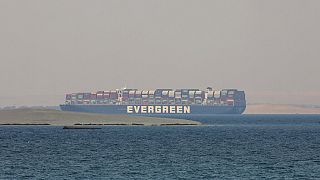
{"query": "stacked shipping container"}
(225, 97)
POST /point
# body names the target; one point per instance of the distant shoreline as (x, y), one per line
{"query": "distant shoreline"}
(280, 109)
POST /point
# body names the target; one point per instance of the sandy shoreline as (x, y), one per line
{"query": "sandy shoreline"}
(280, 109)
(62, 118)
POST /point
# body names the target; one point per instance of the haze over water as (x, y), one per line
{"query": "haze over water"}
(270, 49)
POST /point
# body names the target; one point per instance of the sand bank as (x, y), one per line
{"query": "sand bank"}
(62, 118)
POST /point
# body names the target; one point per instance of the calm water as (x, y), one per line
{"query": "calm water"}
(229, 147)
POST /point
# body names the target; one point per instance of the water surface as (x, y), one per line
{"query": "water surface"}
(229, 147)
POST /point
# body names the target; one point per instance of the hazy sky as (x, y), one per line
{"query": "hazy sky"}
(270, 49)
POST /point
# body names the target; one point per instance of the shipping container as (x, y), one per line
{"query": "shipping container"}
(138, 97)
(184, 93)
(191, 94)
(184, 96)
(198, 94)
(106, 95)
(74, 96)
(125, 97)
(100, 96)
(86, 101)
(231, 93)
(80, 96)
(223, 96)
(158, 93)
(137, 94)
(131, 96)
(158, 96)
(113, 95)
(216, 97)
(165, 94)
(151, 94)
(210, 95)
(164, 97)
(151, 97)
(145, 94)
(145, 97)
(198, 97)
(86, 96)
(170, 97)
(177, 94)
(171, 94)
(93, 96)
(158, 100)
(224, 101)
(125, 93)
(79, 101)
(217, 94)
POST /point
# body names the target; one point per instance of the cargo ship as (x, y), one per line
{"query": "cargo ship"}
(158, 102)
